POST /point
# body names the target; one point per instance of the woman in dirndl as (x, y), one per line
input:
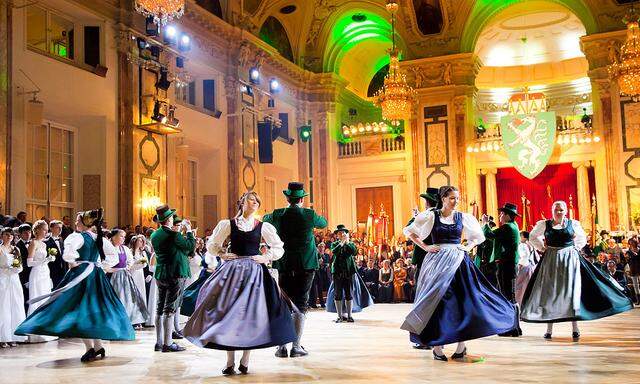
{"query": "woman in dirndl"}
(454, 301)
(240, 306)
(565, 286)
(85, 305)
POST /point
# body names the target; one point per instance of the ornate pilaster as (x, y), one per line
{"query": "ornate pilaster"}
(125, 131)
(584, 196)
(5, 105)
(321, 172)
(234, 140)
(491, 192)
(303, 148)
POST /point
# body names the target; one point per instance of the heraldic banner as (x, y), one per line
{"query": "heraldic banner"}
(529, 140)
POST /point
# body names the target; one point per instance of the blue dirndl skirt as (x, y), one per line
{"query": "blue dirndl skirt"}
(361, 296)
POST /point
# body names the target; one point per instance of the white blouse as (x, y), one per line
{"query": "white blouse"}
(75, 241)
(223, 230)
(536, 236)
(423, 224)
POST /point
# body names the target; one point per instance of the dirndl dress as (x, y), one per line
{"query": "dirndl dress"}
(190, 295)
(567, 287)
(454, 301)
(361, 296)
(240, 306)
(125, 287)
(85, 305)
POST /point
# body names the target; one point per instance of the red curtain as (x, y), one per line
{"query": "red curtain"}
(555, 182)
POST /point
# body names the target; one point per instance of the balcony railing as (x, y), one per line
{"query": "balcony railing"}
(371, 146)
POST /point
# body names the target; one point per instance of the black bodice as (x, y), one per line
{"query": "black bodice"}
(447, 233)
(245, 243)
(559, 238)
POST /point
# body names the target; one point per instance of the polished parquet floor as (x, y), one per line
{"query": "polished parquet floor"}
(372, 350)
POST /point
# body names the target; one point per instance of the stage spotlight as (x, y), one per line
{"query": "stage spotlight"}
(185, 43)
(163, 81)
(305, 132)
(254, 76)
(157, 115)
(170, 34)
(274, 85)
(151, 28)
(142, 43)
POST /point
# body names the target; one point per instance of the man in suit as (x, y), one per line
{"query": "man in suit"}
(67, 227)
(172, 269)
(55, 247)
(297, 266)
(505, 253)
(618, 275)
(24, 234)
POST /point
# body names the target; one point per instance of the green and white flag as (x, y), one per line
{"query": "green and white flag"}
(528, 141)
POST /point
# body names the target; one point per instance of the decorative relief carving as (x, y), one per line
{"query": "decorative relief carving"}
(322, 10)
(459, 104)
(437, 144)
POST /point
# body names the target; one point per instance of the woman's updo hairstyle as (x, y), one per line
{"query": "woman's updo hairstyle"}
(443, 192)
(244, 198)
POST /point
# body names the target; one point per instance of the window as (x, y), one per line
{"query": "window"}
(56, 35)
(193, 188)
(186, 93)
(209, 95)
(50, 171)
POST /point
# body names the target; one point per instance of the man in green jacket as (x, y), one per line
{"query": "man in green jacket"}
(297, 266)
(431, 200)
(172, 270)
(343, 267)
(505, 252)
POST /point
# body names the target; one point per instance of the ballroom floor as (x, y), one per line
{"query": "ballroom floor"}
(373, 349)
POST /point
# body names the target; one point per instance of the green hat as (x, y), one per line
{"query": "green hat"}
(295, 189)
(163, 212)
(510, 208)
(431, 194)
(341, 228)
(177, 220)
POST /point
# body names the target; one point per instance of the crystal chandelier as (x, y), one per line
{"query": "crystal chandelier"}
(627, 71)
(395, 97)
(162, 11)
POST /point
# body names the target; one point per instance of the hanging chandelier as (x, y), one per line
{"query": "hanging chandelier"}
(396, 97)
(627, 71)
(162, 11)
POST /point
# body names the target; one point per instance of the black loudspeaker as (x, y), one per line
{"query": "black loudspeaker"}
(265, 145)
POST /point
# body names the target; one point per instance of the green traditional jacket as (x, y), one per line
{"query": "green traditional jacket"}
(171, 253)
(295, 227)
(506, 239)
(343, 262)
(485, 249)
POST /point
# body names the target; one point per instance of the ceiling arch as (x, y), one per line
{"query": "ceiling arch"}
(484, 11)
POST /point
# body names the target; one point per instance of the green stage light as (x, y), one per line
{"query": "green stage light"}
(305, 132)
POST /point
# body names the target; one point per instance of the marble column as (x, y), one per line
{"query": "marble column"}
(303, 147)
(321, 175)
(182, 177)
(5, 106)
(584, 197)
(491, 191)
(415, 149)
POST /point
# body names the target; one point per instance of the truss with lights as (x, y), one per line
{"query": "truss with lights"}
(362, 129)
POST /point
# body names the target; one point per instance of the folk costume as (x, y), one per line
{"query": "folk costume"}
(297, 266)
(125, 286)
(454, 301)
(240, 306)
(565, 286)
(347, 285)
(190, 296)
(172, 268)
(431, 199)
(528, 260)
(85, 305)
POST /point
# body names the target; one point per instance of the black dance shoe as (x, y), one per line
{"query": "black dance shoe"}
(244, 370)
(547, 336)
(350, 319)
(282, 352)
(157, 347)
(339, 320)
(298, 352)
(88, 356)
(100, 352)
(344, 318)
(420, 346)
(439, 357)
(229, 371)
(575, 336)
(461, 355)
(177, 335)
(172, 348)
